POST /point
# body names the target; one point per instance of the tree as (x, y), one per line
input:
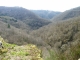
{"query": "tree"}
(8, 26)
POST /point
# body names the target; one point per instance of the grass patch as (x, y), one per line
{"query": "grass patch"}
(19, 53)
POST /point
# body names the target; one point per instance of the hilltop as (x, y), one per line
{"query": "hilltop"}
(75, 12)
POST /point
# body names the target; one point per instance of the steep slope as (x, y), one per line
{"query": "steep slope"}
(15, 22)
(24, 15)
(15, 52)
(17, 32)
(75, 12)
(11, 33)
(45, 13)
(63, 37)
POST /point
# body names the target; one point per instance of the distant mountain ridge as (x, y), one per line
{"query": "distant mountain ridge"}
(24, 15)
(46, 13)
(75, 12)
(16, 12)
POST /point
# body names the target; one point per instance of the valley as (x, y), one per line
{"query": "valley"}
(57, 37)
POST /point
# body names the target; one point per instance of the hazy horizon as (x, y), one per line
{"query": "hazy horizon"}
(52, 5)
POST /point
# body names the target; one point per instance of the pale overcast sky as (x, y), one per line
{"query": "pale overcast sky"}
(55, 5)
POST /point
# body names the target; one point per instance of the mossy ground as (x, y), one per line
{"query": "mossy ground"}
(15, 52)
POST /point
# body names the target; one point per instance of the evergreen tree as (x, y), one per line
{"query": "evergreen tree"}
(8, 25)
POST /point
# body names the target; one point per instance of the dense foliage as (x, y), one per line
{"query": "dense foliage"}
(57, 40)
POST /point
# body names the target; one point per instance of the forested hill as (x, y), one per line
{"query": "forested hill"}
(16, 12)
(24, 15)
(63, 37)
(75, 12)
